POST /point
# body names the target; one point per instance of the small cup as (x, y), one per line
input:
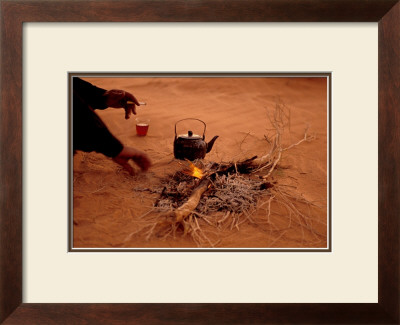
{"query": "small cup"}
(142, 126)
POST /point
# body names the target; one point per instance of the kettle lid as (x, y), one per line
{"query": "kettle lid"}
(190, 136)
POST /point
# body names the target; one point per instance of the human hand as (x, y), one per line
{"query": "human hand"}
(119, 98)
(139, 157)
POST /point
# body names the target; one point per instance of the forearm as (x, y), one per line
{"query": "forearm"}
(90, 94)
(90, 133)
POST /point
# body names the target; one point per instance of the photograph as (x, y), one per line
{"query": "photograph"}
(212, 161)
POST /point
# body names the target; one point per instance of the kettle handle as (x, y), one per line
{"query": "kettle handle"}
(204, 131)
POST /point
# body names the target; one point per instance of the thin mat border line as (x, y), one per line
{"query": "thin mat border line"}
(14, 13)
(193, 74)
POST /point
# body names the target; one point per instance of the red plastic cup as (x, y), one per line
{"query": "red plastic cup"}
(142, 126)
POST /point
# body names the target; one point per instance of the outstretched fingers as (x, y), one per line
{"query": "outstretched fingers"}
(140, 158)
(142, 161)
(125, 165)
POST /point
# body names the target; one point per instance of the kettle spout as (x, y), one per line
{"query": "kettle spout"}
(211, 143)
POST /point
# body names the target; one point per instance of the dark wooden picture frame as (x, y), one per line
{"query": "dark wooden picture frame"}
(14, 13)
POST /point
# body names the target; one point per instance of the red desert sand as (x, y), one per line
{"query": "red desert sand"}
(112, 209)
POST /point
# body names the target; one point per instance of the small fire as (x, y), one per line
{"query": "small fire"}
(194, 171)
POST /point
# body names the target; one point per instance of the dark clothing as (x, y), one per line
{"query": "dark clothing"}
(89, 131)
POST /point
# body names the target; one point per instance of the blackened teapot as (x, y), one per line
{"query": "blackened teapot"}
(192, 146)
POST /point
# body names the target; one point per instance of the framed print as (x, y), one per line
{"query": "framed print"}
(229, 214)
(22, 106)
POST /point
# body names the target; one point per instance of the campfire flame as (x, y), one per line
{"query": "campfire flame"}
(194, 171)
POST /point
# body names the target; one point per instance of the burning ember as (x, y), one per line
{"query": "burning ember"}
(193, 171)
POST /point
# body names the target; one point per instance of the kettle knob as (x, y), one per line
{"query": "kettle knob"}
(190, 133)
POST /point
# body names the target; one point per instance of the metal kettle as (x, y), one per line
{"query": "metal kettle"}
(192, 146)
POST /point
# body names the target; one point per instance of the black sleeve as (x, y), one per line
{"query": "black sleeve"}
(89, 131)
(89, 93)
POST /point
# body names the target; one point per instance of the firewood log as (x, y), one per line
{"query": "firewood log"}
(187, 208)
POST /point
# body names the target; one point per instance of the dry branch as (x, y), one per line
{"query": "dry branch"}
(187, 208)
